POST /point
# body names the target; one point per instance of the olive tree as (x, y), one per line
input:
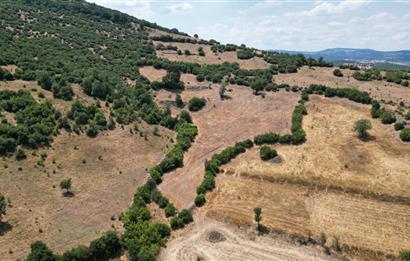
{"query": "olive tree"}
(361, 127)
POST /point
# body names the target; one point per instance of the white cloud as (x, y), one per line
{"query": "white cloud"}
(180, 7)
(322, 7)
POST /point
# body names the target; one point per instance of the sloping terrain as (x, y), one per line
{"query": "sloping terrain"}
(91, 94)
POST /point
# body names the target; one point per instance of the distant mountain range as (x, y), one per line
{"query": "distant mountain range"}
(401, 57)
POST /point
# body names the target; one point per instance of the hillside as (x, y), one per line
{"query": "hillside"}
(122, 139)
(379, 58)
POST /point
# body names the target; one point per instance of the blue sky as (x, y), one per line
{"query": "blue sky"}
(282, 24)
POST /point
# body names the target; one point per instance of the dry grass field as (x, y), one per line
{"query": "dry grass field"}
(357, 222)
(152, 74)
(105, 175)
(235, 244)
(333, 155)
(221, 124)
(210, 57)
(317, 75)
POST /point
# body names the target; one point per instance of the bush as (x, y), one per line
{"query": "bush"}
(337, 73)
(245, 54)
(200, 200)
(185, 216)
(196, 104)
(170, 210)
(405, 255)
(387, 117)
(267, 138)
(40, 252)
(107, 246)
(2, 205)
(20, 155)
(399, 126)
(267, 153)
(405, 134)
(362, 126)
(80, 253)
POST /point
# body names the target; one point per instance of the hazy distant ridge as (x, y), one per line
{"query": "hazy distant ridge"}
(337, 54)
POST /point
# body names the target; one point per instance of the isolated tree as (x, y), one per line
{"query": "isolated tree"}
(178, 101)
(2, 205)
(337, 73)
(66, 184)
(361, 127)
(222, 91)
(258, 216)
(405, 134)
(257, 85)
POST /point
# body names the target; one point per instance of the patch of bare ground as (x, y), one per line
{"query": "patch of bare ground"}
(221, 124)
(105, 172)
(317, 75)
(237, 244)
(334, 155)
(210, 57)
(358, 223)
(11, 68)
(152, 74)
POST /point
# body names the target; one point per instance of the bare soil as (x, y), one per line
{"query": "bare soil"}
(221, 124)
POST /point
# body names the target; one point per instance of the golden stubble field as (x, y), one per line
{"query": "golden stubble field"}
(332, 155)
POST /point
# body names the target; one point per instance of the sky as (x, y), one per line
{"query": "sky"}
(282, 24)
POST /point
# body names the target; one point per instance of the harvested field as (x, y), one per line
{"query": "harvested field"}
(334, 155)
(221, 124)
(357, 222)
(319, 75)
(152, 74)
(210, 57)
(237, 245)
(105, 175)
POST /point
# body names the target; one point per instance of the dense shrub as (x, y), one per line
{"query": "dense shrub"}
(368, 75)
(405, 134)
(196, 104)
(399, 126)
(40, 252)
(351, 94)
(200, 200)
(267, 153)
(337, 73)
(245, 54)
(387, 117)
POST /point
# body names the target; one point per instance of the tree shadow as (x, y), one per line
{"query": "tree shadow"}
(68, 194)
(4, 228)
(368, 138)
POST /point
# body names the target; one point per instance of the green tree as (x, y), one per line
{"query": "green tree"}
(258, 85)
(337, 73)
(178, 101)
(40, 252)
(66, 184)
(2, 205)
(361, 127)
(258, 216)
(196, 104)
(267, 153)
(405, 134)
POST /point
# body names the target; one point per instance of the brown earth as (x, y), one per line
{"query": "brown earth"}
(152, 74)
(221, 124)
(105, 174)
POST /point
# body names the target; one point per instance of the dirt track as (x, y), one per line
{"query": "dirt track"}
(238, 245)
